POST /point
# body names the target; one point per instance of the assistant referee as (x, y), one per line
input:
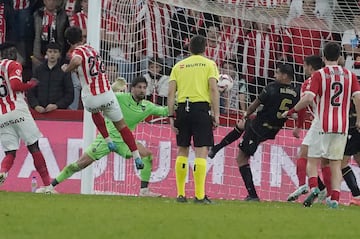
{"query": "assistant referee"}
(194, 79)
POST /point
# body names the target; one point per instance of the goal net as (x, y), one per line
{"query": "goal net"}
(246, 39)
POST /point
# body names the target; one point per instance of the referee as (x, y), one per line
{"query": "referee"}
(194, 79)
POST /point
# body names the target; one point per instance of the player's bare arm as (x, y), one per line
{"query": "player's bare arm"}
(75, 62)
(214, 96)
(171, 104)
(356, 100)
(303, 102)
(252, 107)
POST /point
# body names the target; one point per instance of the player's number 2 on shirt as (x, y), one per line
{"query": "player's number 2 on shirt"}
(3, 88)
(284, 106)
(337, 87)
(96, 65)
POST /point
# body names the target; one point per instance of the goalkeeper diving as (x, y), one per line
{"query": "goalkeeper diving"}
(135, 109)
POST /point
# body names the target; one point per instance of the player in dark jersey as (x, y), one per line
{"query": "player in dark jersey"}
(352, 149)
(276, 98)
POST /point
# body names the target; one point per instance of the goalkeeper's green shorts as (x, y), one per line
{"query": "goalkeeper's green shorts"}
(99, 148)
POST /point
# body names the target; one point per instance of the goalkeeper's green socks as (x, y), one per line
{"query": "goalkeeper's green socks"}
(145, 173)
(66, 173)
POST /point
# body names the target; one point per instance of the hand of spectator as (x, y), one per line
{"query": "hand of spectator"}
(40, 109)
(51, 107)
(64, 67)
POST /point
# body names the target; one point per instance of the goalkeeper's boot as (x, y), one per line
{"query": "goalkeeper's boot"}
(322, 195)
(112, 146)
(304, 189)
(3, 176)
(139, 163)
(312, 196)
(205, 200)
(213, 151)
(145, 192)
(332, 203)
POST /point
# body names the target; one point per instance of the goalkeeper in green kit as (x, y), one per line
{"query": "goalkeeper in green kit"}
(135, 109)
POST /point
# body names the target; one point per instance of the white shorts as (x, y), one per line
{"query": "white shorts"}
(312, 134)
(16, 125)
(105, 103)
(330, 146)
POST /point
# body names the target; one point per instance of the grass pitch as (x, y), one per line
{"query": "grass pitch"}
(27, 215)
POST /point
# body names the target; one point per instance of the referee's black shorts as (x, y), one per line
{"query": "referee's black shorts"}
(194, 121)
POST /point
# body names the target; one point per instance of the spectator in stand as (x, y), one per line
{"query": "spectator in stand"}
(79, 18)
(7, 30)
(154, 19)
(259, 57)
(55, 89)
(158, 82)
(213, 49)
(23, 26)
(237, 96)
(304, 37)
(50, 23)
(351, 46)
(69, 6)
(112, 71)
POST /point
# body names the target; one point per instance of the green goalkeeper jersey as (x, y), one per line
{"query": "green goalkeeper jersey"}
(134, 112)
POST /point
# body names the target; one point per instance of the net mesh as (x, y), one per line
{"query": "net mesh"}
(246, 39)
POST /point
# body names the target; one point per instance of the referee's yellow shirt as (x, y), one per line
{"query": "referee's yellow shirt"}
(192, 78)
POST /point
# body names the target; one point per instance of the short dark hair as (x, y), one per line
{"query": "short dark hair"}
(197, 44)
(8, 51)
(137, 80)
(53, 46)
(286, 69)
(314, 61)
(73, 35)
(156, 60)
(332, 51)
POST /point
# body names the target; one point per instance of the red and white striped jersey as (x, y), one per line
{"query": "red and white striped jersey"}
(155, 19)
(333, 87)
(91, 72)
(70, 7)
(79, 19)
(2, 24)
(259, 55)
(21, 4)
(9, 99)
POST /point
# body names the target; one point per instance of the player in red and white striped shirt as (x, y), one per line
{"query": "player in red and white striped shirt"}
(333, 87)
(96, 92)
(16, 121)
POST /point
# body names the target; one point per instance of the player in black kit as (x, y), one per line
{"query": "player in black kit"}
(276, 98)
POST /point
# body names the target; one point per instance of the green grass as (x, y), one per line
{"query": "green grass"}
(27, 215)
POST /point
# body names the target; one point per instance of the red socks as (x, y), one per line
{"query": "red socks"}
(7, 163)
(100, 124)
(301, 170)
(128, 138)
(313, 182)
(335, 195)
(40, 165)
(326, 172)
